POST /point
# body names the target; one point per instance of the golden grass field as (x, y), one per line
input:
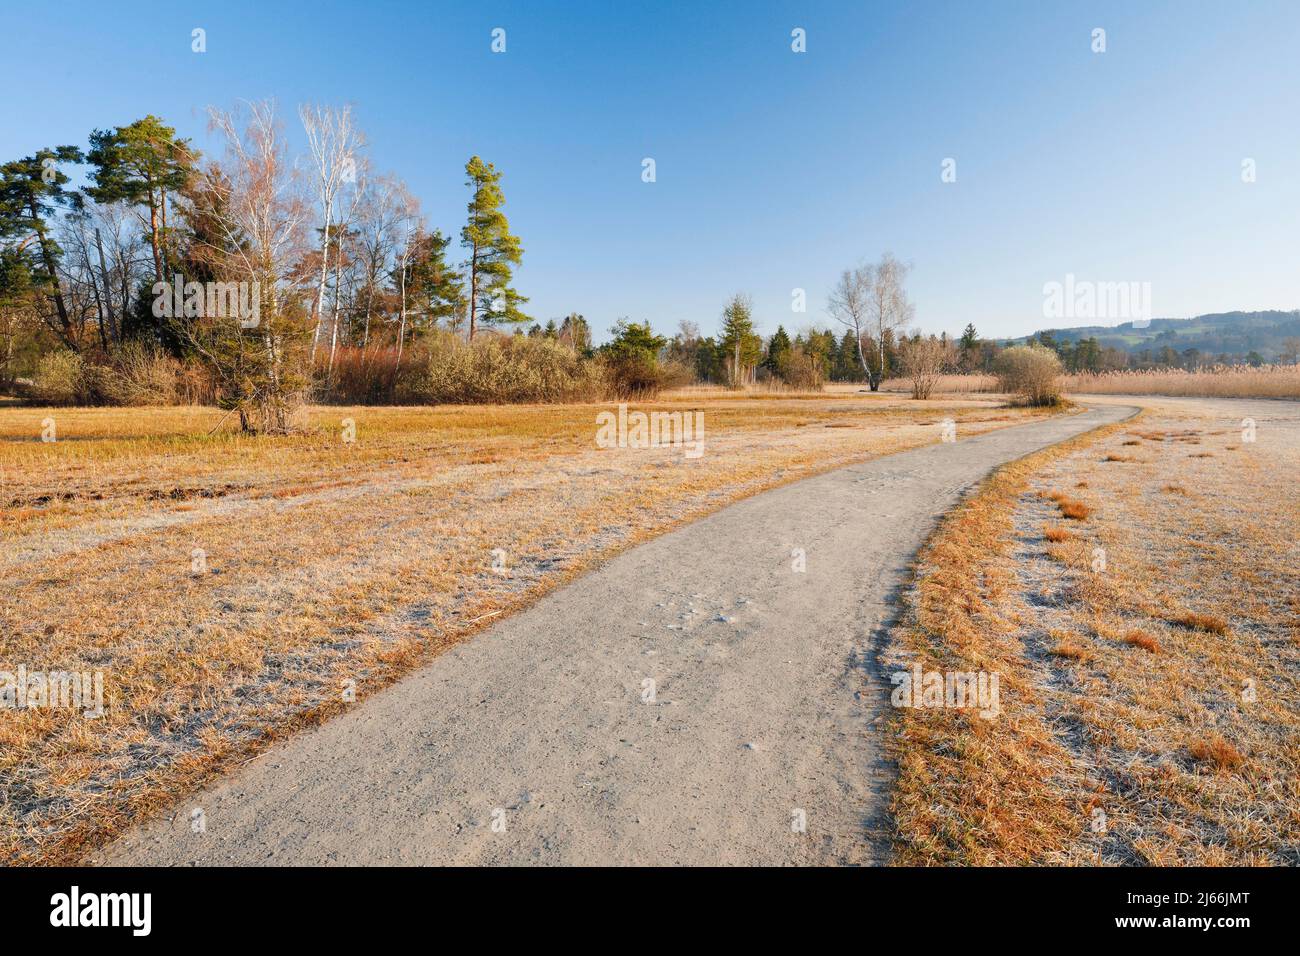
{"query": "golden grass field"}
(325, 562)
(1234, 382)
(1268, 381)
(1150, 709)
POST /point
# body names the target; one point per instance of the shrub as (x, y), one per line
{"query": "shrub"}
(141, 375)
(631, 361)
(923, 361)
(1030, 371)
(496, 369)
(801, 369)
(60, 379)
(137, 375)
(372, 376)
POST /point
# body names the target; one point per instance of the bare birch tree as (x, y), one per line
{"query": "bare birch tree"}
(383, 206)
(334, 143)
(872, 301)
(353, 194)
(261, 216)
(410, 231)
(848, 305)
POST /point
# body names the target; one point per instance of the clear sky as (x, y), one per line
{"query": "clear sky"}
(775, 170)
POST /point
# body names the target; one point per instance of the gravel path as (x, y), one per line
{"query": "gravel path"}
(543, 740)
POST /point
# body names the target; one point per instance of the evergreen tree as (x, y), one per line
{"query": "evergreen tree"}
(493, 251)
(742, 346)
(709, 365)
(31, 190)
(778, 351)
(142, 164)
(434, 283)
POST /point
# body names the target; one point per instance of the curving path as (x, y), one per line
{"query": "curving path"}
(540, 740)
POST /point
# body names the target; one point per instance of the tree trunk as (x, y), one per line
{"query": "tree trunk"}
(862, 358)
(113, 327)
(473, 289)
(334, 326)
(153, 241)
(320, 290)
(401, 333)
(56, 293)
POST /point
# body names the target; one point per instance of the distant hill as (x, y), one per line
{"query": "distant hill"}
(1232, 333)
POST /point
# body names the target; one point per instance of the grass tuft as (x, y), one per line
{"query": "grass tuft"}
(1210, 623)
(1217, 752)
(1143, 640)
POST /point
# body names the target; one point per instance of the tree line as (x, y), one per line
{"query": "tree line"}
(339, 255)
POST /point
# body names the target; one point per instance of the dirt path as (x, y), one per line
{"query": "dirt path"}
(541, 740)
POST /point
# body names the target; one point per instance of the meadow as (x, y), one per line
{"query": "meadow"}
(233, 588)
(1137, 591)
(1237, 381)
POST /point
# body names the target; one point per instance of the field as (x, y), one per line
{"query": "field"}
(1138, 592)
(233, 589)
(1235, 382)
(1271, 381)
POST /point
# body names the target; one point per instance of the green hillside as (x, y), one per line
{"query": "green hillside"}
(1234, 334)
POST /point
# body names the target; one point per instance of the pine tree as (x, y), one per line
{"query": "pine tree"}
(31, 190)
(141, 164)
(435, 284)
(743, 347)
(968, 347)
(969, 338)
(493, 251)
(778, 351)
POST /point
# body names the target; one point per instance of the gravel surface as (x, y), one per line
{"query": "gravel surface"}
(542, 740)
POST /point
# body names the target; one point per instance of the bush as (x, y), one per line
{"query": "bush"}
(497, 369)
(60, 380)
(1031, 372)
(923, 360)
(631, 361)
(642, 375)
(137, 375)
(371, 376)
(146, 375)
(801, 370)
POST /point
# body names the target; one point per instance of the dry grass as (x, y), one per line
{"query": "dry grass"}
(1143, 640)
(1071, 508)
(1070, 646)
(1217, 752)
(1210, 623)
(947, 385)
(970, 790)
(1181, 727)
(323, 562)
(1272, 381)
(1057, 535)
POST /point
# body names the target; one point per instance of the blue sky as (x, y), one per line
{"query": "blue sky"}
(775, 170)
